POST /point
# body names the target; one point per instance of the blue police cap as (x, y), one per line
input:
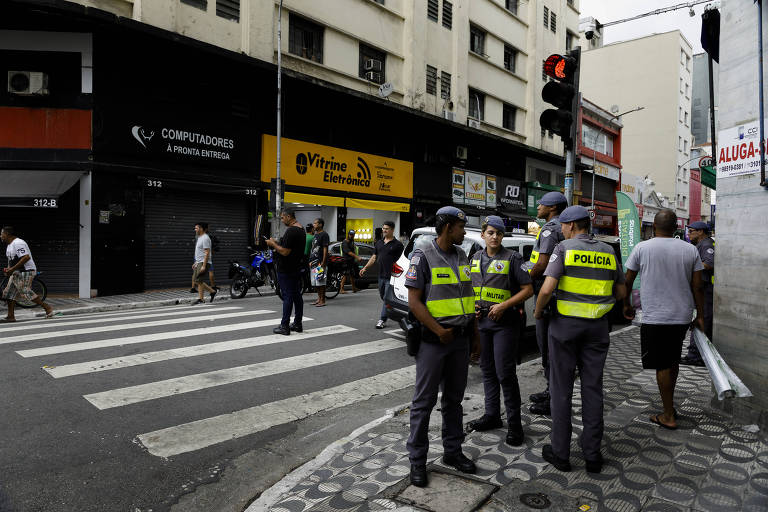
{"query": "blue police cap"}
(573, 213)
(552, 198)
(496, 223)
(699, 225)
(452, 211)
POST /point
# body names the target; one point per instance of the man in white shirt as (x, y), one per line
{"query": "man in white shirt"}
(670, 290)
(203, 260)
(21, 271)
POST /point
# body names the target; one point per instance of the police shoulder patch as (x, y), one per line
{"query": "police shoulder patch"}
(710, 251)
(553, 257)
(415, 260)
(546, 233)
(411, 274)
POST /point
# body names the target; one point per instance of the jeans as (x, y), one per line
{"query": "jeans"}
(383, 284)
(290, 285)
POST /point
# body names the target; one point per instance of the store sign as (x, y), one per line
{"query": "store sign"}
(473, 189)
(632, 186)
(512, 195)
(606, 171)
(738, 150)
(324, 167)
(182, 143)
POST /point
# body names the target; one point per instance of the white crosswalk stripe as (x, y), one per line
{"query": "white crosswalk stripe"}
(101, 365)
(218, 429)
(153, 390)
(61, 322)
(146, 338)
(397, 333)
(137, 325)
(124, 312)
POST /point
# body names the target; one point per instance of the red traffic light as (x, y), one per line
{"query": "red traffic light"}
(560, 67)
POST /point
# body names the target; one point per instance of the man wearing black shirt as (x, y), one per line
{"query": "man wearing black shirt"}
(290, 251)
(318, 259)
(349, 251)
(386, 251)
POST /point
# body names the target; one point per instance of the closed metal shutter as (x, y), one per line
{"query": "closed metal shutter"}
(170, 236)
(53, 238)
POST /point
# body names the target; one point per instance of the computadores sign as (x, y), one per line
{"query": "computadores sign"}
(304, 164)
(738, 150)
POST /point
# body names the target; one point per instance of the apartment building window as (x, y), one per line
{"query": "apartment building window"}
(447, 14)
(476, 104)
(596, 140)
(508, 117)
(687, 63)
(200, 4)
(510, 58)
(372, 64)
(431, 80)
(680, 114)
(680, 144)
(686, 119)
(445, 85)
(432, 10)
(682, 56)
(553, 22)
(229, 9)
(546, 17)
(511, 5)
(569, 39)
(685, 146)
(681, 85)
(686, 90)
(476, 40)
(305, 38)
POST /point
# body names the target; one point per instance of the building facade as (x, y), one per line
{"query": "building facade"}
(162, 114)
(658, 139)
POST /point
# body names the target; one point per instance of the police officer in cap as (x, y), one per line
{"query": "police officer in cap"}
(584, 276)
(502, 285)
(699, 235)
(551, 205)
(441, 297)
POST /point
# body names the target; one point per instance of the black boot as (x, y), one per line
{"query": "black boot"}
(542, 396)
(515, 435)
(485, 423)
(419, 475)
(549, 456)
(460, 462)
(541, 408)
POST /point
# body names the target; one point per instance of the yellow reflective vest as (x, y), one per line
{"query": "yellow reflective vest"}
(585, 290)
(450, 297)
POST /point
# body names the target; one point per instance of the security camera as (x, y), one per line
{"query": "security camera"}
(589, 34)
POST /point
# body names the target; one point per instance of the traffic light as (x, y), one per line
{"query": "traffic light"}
(563, 93)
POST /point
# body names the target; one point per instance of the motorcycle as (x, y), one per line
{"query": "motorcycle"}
(260, 272)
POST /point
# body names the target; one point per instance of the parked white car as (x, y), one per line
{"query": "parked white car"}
(397, 294)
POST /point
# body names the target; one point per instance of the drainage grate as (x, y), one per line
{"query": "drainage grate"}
(537, 501)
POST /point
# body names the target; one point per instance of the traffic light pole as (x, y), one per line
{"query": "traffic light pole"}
(569, 168)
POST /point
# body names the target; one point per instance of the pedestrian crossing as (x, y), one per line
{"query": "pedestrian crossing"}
(330, 366)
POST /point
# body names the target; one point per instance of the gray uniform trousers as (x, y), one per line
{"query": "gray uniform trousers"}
(498, 361)
(437, 366)
(582, 343)
(542, 340)
(693, 350)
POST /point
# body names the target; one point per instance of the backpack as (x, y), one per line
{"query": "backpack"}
(215, 243)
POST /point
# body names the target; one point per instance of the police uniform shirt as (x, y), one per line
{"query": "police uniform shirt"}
(706, 248)
(548, 238)
(556, 266)
(419, 275)
(518, 276)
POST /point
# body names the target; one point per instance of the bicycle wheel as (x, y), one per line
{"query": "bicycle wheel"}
(39, 289)
(333, 285)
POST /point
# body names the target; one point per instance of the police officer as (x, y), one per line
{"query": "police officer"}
(699, 233)
(502, 286)
(584, 276)
(550, 206)
(441, 297)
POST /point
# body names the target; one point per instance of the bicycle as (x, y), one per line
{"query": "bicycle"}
(38, 287)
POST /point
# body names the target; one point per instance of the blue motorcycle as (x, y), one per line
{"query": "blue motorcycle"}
(260, 272)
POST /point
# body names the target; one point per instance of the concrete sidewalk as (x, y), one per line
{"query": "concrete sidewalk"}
(708, 463)
(155, 298)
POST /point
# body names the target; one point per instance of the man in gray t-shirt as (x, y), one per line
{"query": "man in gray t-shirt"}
(203, 254)
(670, 289)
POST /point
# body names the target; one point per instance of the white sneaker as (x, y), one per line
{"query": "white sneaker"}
(381, 324)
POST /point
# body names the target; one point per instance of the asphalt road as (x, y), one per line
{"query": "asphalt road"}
(187, 408)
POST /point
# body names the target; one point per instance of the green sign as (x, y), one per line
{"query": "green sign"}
(708, 176)
(629, 226)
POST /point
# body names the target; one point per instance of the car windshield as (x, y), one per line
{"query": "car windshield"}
(420, 241)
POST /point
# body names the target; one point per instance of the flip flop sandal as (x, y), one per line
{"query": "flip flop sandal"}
(53, 314)
(655, 419)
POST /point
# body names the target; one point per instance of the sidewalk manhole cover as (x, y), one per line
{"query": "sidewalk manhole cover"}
(537, 501)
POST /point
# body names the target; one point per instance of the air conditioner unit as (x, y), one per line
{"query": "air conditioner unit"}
(372, 65)
(28, 83)
(473, 123)
(373, 77)
(451, 116)
(461, 152)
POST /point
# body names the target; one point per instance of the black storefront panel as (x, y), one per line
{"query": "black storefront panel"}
(171, 216)
(53, 238)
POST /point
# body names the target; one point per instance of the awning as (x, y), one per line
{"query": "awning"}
(295, 197)
(368, 204)
(37, 183)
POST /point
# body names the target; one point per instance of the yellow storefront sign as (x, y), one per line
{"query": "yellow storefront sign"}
(304, 164)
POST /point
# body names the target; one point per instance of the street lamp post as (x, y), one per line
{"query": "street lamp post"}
(278, 187)
(594, 152)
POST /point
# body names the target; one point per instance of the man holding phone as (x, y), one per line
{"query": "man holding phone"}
(290, 251)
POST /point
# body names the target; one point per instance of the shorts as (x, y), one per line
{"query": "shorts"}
(661, 345)
(20, 286)
(198, 272)
(318, 275)
(351, 267)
